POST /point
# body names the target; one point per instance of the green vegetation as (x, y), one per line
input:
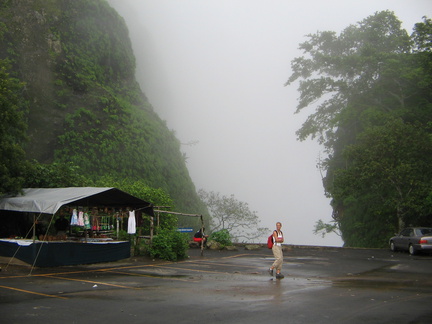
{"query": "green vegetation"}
(170, 245)
(374, 116)
(74, 95)
(12, 131)
(54, 175)
(223, 237)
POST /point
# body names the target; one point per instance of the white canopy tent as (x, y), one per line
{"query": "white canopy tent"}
(49, 200)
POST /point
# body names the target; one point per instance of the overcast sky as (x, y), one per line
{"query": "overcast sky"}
(215, 70)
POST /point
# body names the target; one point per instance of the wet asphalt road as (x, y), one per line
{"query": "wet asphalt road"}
(321, 285)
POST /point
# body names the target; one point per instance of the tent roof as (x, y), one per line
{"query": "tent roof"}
(49, 200)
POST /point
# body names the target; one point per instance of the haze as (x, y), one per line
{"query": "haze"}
(215, 69)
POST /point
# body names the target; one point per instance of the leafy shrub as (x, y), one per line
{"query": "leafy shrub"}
(123, 235)
(223, 237)
(169, 245)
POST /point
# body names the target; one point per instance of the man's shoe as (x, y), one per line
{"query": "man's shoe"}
(279, 276)
(270, 271)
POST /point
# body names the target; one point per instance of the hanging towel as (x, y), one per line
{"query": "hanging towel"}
(74, 218)
(131, 223)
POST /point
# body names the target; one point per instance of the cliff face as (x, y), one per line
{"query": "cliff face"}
(67, 52)
(76, 60)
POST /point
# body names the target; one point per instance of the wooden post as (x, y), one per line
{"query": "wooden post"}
(151, 229)
(202, 239)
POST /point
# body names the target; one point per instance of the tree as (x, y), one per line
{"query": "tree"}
(13, 128)
(338, 70)
(390, 165)
(372, 84)
(422, 36)
(228, 213)
(326, 228)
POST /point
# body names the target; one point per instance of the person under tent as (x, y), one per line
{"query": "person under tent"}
(61, 225)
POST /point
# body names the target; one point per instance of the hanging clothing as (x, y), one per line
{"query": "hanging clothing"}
(80, 218)
(86, 221)
(95, 223)
(138, 218)
(131, 222)
(74, 218)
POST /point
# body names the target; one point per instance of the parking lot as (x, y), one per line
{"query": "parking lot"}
(321, 285)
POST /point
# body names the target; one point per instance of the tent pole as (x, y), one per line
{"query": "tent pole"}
(34, 228)
(117, 223)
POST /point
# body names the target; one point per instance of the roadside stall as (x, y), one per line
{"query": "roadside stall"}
(86, 230)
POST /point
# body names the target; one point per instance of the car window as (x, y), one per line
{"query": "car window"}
(426, 231)
(405, 232)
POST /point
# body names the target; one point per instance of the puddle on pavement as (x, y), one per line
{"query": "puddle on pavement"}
(254, 290)
(384, 278)
(158, 275)
(162, 274)
(303, 258)
(307, 258)
(377, 284)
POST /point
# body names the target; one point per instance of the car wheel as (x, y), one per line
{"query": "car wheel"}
(392, 246)
(411, 249)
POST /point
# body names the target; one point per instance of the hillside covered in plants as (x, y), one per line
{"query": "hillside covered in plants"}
(68, 82)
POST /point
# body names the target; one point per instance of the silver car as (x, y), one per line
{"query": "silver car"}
(413, 240)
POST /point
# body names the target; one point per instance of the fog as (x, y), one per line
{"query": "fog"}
(215, 71)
